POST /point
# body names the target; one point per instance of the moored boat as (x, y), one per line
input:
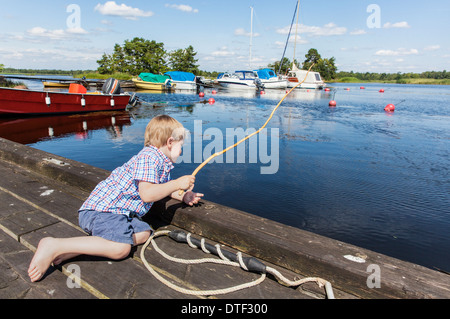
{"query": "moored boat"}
(241, 80)
(270, 80)
(153, 82)
(183, 80)
(28, 102)
(313, 79)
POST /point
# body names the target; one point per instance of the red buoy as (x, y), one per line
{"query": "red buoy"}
(381, 91)
(390, 108)
(348, 89)
(214, 92)
(362, 87)
(262, 92)
(201, 94)
(327, 89)
(332, 103)
(211, 101)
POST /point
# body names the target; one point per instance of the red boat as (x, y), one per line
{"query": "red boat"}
(27, 102)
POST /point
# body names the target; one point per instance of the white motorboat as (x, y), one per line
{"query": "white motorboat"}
(183, 80)
(270, 80)
(240, 80)
(312, 81)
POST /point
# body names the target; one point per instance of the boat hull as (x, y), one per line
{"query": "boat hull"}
(237, 85)
(152, 86)
(275, 84)
(26, 102)
(185, 85)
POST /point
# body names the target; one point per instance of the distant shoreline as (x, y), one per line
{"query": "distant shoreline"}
(123, 76)
(422, 81)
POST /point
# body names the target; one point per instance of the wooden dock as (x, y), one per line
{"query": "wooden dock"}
(40, 194)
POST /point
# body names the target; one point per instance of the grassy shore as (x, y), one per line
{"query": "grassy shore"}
(96, 75)
(400, 81)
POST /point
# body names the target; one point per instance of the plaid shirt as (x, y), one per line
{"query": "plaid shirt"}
(119, 193)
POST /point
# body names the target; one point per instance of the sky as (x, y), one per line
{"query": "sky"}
(362, 35)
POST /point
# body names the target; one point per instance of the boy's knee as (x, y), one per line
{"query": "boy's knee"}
(122, 251)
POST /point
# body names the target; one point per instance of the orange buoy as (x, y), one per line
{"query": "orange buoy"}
(332, 103)
(381, 91)
(211, 101)
(390, 108)
(201, 94)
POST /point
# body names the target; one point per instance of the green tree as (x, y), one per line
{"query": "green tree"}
(133, 57)
(285, 66)
(1, 67)
(326, 67)
(184, 60)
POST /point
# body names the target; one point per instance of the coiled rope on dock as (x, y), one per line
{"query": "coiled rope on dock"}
(226, 258)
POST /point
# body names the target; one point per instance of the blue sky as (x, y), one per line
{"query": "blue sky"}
(363, 36)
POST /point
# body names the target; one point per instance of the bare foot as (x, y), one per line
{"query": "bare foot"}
(58, 260)
(42, 259)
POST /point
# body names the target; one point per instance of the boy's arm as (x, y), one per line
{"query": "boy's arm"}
(150, 192)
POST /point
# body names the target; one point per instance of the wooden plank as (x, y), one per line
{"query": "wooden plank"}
(305, 253)
(14, 281)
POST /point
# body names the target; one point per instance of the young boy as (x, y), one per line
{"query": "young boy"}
(112, 213)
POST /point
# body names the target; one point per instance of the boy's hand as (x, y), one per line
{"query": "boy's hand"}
(186, 182)
(191, 198)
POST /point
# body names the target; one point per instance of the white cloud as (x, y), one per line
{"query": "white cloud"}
(401, 25)
(182, 7)
(358, 32)
(398, 52)
(59, 34)
(111, 8)
(42, 32)
(292, 39)
(242, 32)
(328, 29)
(76, 31)
(432, 48)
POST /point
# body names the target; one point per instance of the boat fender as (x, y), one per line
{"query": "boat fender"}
(251, 264)
(111, 86)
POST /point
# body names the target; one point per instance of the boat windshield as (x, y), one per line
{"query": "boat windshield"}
(245, 75)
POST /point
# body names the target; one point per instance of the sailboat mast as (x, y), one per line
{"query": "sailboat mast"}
(251, 38)
(296, 31)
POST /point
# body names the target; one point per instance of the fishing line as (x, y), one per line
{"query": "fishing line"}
(254, 133)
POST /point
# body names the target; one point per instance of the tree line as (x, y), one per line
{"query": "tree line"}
(140, 55)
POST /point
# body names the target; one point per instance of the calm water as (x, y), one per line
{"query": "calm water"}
(353, 173)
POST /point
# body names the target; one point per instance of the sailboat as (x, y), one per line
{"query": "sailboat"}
(295, 75)
(242, 79)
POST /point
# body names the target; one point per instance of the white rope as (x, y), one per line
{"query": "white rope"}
(224, 261)
(194, 261)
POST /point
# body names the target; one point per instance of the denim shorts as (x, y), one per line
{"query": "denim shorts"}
(115, 227)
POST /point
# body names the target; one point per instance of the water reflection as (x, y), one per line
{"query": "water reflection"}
(35, 129)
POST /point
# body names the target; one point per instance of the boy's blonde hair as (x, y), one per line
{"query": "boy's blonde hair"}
(161, 128)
